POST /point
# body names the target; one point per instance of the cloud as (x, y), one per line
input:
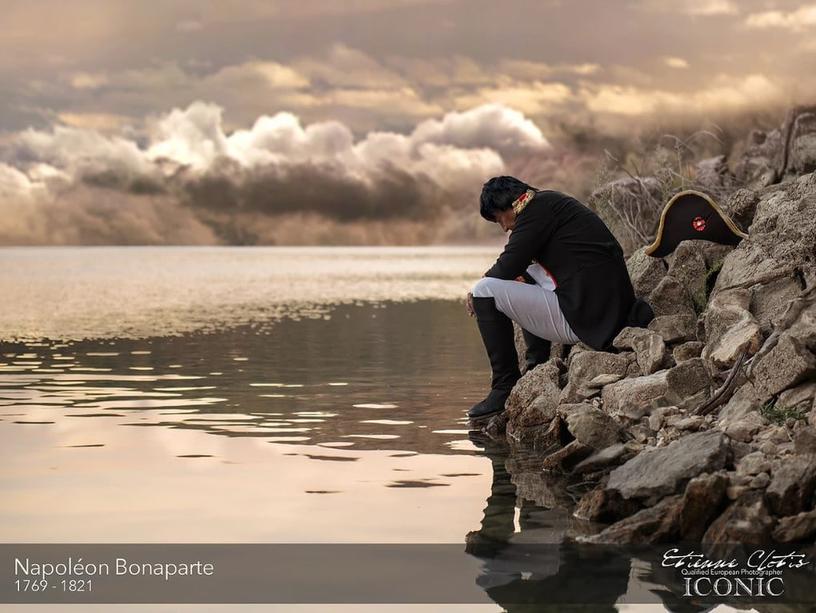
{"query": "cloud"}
(189, 25)
(15, 184)
(802, 18)
(723, 95)
(491, 126)
(442, 72)
(187, 179)
(344, 66)
(675, 62)
(254, 75)
(343, 83)
(104, 122)
(76, 149)
(709, 7)
(84, 80)
(534, 98)
(701, 8)
(524, 69)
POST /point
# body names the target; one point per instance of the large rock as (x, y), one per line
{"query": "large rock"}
(787, 364)
(741, 205)
(804, 441)
(610, 456)
(804, 328)
(645, 272)
(603, 505)
(670, 297)
(753, 464)
(540, 384)
(687, 264)
(760, 160)
(687, 351)
(745, 335)
(688, 382)
(801, 397)
(729, 327)
(740, 417)
(745, 429)
(585, 367)
(657, 524)
(545, 436)
(796, 528)
(675, 328)
(685, 385)
(713, 174)
(725, 309)
(592, 427)
(792, 486)
(567, 457)
(637, 396)
(661, 471)
(531, 418)
(768, 299)
(802, 155)
(702, 501)
(649, 348)
(745, 521)
(780, 243)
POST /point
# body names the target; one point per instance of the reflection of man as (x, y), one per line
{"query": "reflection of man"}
(536, 569)
(576, 285)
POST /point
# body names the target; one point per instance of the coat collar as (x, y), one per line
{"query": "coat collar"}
(521, 202)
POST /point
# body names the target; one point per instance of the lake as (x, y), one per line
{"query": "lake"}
(264, 395)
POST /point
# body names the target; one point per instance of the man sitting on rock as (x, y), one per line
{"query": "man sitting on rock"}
(562, 278)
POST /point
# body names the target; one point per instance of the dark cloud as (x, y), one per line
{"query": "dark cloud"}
(73, 185)
(310, 187)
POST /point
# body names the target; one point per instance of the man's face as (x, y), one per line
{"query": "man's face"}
(506, 219)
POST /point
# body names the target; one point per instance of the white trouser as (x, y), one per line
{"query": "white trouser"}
(534, 307)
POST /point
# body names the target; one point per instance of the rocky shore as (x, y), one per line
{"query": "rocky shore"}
(703, 425)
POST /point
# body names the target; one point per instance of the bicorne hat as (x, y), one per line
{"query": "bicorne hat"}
(693, 215)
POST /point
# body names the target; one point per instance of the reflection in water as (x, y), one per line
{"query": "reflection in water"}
(528, 565)
(531, 561)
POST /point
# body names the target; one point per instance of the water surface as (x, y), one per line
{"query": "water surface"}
(265, 395)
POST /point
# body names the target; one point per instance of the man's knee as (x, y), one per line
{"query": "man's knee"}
(485, 287)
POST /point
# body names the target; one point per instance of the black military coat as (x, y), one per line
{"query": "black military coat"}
(578, 250)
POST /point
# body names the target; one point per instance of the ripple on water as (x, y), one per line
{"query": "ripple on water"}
(386, 422)
(381, 437)
(416, 483)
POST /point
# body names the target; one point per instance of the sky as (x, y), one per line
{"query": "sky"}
(363, 121)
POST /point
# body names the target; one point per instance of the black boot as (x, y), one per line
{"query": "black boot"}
(496, 329)
(538, 350)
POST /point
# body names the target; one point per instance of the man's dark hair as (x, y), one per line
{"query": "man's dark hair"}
(498, 194)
